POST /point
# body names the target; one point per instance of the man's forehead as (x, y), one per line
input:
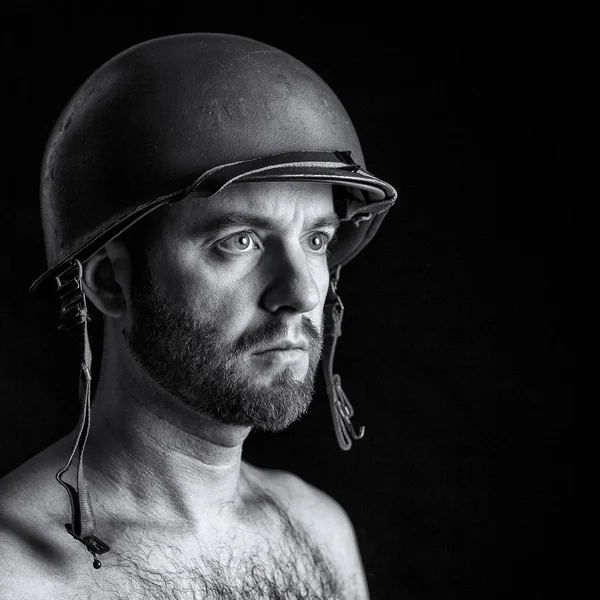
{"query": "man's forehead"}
(275, 201)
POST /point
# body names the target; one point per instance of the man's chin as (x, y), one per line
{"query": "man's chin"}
(268, 423)
(271, 407)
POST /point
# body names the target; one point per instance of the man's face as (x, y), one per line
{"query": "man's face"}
(227, 314)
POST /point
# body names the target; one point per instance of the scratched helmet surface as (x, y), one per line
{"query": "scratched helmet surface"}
(194, 113)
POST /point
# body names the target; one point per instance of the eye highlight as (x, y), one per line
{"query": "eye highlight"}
(239, 243)
(318, 242)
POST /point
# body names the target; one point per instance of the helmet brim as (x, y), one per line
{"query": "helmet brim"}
(373, 197)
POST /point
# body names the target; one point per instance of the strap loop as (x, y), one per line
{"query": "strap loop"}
(341, 409)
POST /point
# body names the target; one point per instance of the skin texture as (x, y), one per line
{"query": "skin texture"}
(183, 513)
(196, 361)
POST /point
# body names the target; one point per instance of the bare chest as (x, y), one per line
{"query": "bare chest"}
(281, 563)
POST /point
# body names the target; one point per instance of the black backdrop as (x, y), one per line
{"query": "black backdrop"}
(446, 313)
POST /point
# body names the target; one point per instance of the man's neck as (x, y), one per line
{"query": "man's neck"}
(152, 455)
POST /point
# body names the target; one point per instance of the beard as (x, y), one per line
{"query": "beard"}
(193, 360)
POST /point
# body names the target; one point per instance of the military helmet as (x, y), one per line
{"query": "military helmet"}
(194, 113)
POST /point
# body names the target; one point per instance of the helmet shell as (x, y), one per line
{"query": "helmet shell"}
(145, 126)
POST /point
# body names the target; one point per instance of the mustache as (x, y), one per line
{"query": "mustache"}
(274, 331)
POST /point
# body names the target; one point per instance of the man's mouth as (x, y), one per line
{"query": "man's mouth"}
(283, 352)
(285, 346)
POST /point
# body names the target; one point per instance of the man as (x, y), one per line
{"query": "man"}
(202, 192)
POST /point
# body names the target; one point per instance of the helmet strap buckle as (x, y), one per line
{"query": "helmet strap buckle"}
(73, 310)
(91, 542)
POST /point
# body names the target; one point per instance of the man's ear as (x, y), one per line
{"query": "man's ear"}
(106, 278)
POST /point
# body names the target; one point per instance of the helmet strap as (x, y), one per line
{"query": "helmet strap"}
(341, 409)
(72, 315)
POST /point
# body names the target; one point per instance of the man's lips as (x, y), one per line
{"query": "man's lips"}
(285, 345)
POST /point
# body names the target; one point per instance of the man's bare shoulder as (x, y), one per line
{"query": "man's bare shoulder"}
(32, 545)
(322, 517)
(305, 501)
(32, 486)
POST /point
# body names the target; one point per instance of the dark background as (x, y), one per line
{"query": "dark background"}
(449, 323)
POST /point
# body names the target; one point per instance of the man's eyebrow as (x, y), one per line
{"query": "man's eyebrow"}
(325, 221)
(231, 219)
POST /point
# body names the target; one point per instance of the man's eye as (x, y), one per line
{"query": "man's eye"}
(240, 242)
(318, 241)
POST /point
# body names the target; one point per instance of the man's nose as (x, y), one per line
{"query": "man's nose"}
(292, 284)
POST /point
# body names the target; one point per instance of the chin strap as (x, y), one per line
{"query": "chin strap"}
(341, 409)
(73, 313)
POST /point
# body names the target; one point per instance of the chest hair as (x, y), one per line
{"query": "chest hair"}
(278, 562)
